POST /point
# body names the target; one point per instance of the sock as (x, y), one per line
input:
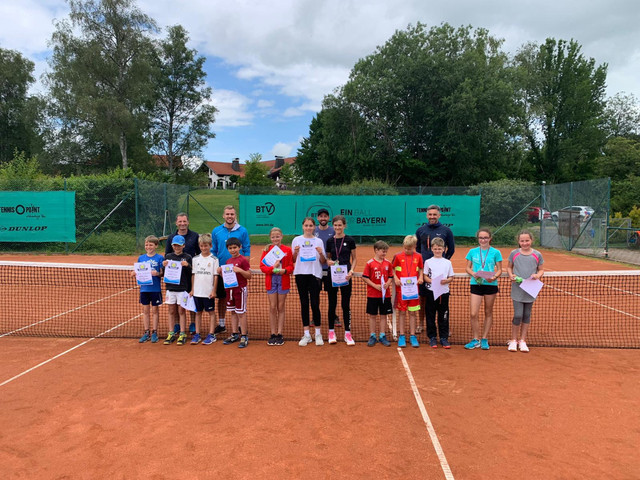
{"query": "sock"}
(221, 322)
(373, 334)
(382, 334)
(318, 331)
(331, 330)
(306, 333)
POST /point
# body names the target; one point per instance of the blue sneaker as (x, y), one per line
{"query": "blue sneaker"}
(372, 341)
(192, 328)
(384, 341)
(445, 343)
(244, 341)
(475, 343)
(176, 329)
(433, 342)
(402, 341)
(154, 337)
(210, 339)
(195, 339)
(144, 338)
(484, 344)
(414, 341)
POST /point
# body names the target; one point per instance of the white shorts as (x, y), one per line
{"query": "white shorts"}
(172, 297)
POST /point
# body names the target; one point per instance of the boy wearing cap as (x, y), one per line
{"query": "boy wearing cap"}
(174, 290)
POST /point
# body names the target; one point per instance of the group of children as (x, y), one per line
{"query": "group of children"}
(199, 277)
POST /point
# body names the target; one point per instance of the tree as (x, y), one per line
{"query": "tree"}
(622, 116)
(255, 173)
(182, 118)
(561, 96)
(101, 77)
(19, 112)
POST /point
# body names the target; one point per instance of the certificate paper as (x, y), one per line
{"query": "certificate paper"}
(409, 288)
(187, 302)
(273, 256)
(308, 251)
(172, 272)
(484, 274)
(382, 287)
(143, 273)
(532, 286)
(339, 275)
(229, 277)
(436, 287)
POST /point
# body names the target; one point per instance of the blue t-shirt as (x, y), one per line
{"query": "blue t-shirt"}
(484, 260)
(156, 264)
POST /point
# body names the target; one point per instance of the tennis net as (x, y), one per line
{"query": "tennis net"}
(574, 309)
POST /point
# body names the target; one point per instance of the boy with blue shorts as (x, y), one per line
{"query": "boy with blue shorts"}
(204, 283)
(151, 295)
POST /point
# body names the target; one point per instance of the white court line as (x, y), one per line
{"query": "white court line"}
(595, 303)
(427, 421)
(67, 351)
(68, 311)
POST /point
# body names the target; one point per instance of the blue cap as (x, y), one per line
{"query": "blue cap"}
(177, 240)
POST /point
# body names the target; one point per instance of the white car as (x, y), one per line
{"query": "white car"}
(577, 210)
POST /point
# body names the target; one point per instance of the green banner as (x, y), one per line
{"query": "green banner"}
(37, 216)
(366, 215)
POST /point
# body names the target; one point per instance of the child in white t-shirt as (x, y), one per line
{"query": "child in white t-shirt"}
(438, 266)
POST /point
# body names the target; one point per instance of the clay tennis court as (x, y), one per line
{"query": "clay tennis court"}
(113, 408)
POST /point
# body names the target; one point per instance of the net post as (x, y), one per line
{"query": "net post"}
(136, 193)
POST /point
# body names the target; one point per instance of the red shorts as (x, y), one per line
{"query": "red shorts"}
(404, 305)
(237, 299)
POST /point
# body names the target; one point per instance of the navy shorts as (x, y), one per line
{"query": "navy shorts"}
(375, 306)
(151, 298)
(204, 304)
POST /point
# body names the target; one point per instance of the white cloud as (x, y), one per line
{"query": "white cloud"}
(282, 149)
(233, 108)
(265, 103)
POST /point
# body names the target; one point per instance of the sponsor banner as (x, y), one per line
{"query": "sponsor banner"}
(37, 216)
(366, 215)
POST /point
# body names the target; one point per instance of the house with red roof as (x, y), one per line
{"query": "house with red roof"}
(223, 175)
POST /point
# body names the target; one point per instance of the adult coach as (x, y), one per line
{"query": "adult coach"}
(324, 232)
(425, 234)
(219, 236)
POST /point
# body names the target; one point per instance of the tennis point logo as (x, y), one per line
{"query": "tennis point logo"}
(20, 209)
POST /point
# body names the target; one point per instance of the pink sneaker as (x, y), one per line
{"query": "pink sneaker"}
(332, 337)
(349, 339)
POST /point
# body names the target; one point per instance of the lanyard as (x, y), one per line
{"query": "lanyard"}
(482, 262)
(338, 250)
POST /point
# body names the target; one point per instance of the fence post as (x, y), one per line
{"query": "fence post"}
(543, 206)
(606, 237)
(135, 190)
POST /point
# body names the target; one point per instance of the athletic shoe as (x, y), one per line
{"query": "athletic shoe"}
(475, 343)
(523, 346)
(272, 340)
(414, 341)
(244, 341)
(219, 329)
(144, 338)
(372, 340)
(176, 328)
(484, 344)
(402, 341)
(305, 340)
(445, 344)
(319, 341)
(349, 339)
(513, 346)
(210, 339)
(332, 337)
(433, 342)
(195, 339)
(154, 337)
(182, 339)
(170, 338)
(231, 339)
(192, 328)
(337, 322)
(279, 340)
(384, 341)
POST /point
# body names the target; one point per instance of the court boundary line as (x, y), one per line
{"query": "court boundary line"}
(15, 377)
(444, 465)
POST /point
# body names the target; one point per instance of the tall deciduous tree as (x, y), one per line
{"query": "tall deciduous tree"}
(562, 100)
(101, 81)
(622, 116)
(183, 116)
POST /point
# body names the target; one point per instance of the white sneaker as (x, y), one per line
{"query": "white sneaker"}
(332, 337)
(513, 346)
(523, 346)
(349, 339)
(319, 341)
(305, 340)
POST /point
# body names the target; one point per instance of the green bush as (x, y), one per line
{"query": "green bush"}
(117, 243)
(503, 199)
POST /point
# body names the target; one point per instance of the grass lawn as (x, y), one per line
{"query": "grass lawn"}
(205, 208)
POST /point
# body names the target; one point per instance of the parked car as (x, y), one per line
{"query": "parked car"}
(577, 210)
(535, 214)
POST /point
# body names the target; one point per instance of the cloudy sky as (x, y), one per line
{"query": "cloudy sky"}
(270, 63)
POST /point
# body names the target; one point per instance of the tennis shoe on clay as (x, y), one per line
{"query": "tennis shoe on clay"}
(332, 337)
(523, 346)
(484, 344)
(182, 339)
(413, 340)
(144, 338)
(219, 329)
(433, 342)
(244, 341)
(234, 337)
(170, 338)
(372, 340)
(279, 340)
(349, 339)
(210, 339)
(319, 341)
(475, 343)
(445, 343)
(384, 340)
(512, 346)
(154, 337)
(272, 340)
(195, 339)
(402, 341)
(305, 340)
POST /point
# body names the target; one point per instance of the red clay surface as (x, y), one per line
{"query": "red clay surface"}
(118, 409)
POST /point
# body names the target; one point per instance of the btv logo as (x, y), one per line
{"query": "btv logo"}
(268, 208)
